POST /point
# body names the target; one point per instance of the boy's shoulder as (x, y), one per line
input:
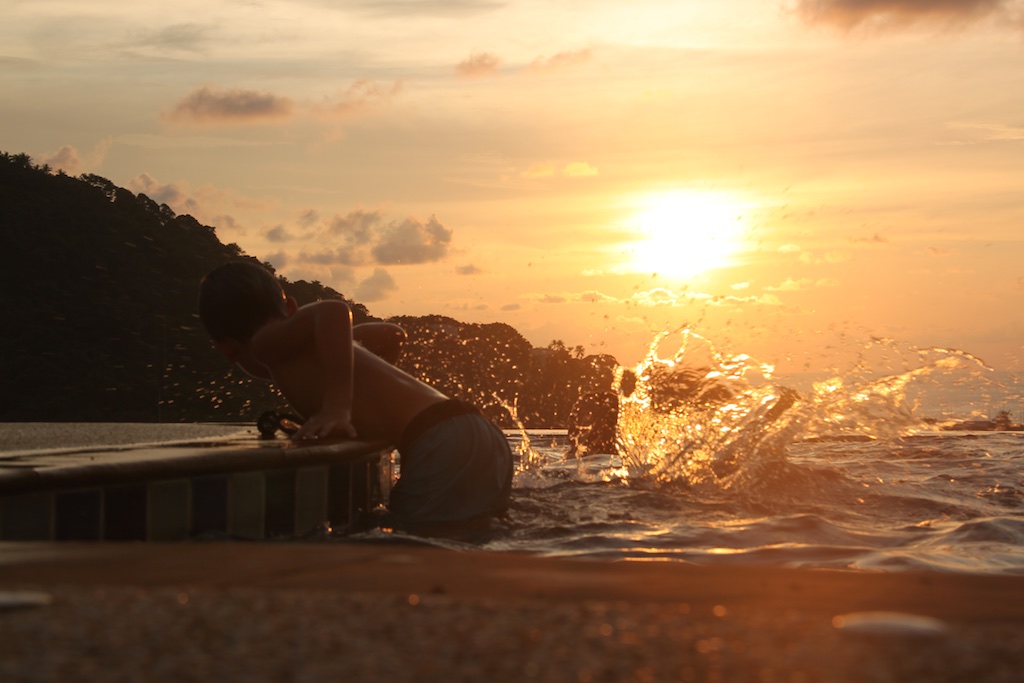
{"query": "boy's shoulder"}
(296, 332)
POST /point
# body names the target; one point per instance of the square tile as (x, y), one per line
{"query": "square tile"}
(78, 515)
(246, 500)
(169, 510)
(280, 503)
(339, 495)
(124, 513)
(27, 517)
(210, 505)
(310, 498)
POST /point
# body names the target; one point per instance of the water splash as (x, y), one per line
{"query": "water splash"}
(528, 458)
(696, 413)
(700, 417)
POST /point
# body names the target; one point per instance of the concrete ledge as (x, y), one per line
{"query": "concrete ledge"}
(322, 613)
(244, 488)
(404, 569)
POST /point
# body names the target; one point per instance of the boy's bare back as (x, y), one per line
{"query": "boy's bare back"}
(339, 387)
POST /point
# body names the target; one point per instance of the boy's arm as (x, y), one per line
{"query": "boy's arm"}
(332, 335)
(327, 327)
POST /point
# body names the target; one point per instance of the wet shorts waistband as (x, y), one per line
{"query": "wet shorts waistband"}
(431, 416)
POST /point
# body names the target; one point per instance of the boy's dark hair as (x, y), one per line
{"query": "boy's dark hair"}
(237, 298)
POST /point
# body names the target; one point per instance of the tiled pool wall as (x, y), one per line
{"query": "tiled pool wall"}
(274, 502)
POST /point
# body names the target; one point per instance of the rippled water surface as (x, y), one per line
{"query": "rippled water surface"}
(948, 501)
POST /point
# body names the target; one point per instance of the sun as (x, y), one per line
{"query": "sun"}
(681, 234)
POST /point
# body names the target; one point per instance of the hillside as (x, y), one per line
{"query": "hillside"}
(101, 322)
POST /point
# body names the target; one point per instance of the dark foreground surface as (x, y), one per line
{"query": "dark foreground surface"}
(395, 612)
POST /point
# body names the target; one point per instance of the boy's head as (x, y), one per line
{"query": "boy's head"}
(238, 298)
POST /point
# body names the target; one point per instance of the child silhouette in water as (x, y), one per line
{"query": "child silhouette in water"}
(455, 465)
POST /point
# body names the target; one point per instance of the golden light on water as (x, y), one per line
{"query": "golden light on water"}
(683, 233)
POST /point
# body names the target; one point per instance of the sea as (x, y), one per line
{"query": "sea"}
(905, 459)
(874, 468)
(943, 501)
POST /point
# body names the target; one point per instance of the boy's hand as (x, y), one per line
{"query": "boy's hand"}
(322, 426)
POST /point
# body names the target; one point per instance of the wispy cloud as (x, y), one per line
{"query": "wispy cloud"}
(562, 60)
(594, 297)
(171, 194)
(408, 8)
(278, 233)
(207, 105)
(538, 172)
(573, 169)
(876, 238)
(308, 218)
(184, 37)
(829, 257)
(478, 64)
(853, 13)
(652, 298)
(208, 204)
(990, 132)
(659, 297)
(802, 284)
(579, 169)
(18, 63)
(360, 96)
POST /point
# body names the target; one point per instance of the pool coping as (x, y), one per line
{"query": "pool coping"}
(238, 487)
(31, 471)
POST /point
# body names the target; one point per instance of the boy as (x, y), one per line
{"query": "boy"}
(455, 465)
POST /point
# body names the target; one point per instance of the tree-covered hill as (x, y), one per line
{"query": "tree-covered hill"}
(101, 289)
(100, 323)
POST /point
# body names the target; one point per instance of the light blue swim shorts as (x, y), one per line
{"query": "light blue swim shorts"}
(455, 466)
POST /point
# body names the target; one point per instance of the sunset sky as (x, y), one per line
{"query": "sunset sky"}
(792, 178)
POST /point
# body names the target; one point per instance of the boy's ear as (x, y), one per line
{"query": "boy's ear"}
(230, 348)
(291, 305)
